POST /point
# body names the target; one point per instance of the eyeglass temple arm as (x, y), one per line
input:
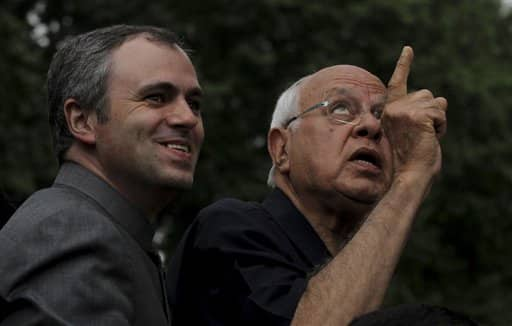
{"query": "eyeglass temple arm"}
(321, 104)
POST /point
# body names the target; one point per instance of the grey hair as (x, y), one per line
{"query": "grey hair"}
(287, 107)
(80, 70)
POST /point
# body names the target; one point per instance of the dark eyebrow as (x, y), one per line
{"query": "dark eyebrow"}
(195, 92)
(168, 88)
(163, 86)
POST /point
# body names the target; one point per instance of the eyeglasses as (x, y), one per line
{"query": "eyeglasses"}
(338, 112)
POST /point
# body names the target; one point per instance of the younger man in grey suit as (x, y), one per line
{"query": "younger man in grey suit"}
(124, 107)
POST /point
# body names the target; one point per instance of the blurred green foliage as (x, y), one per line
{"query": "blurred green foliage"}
(247, 52)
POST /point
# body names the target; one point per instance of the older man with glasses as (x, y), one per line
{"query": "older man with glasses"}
(352, 162)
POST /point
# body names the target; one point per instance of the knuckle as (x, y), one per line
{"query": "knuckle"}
(393, 84)
(425, 93)
(441, 103)
(443, 115)
(402, 63)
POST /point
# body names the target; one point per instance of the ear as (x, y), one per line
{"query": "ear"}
(80, 122)
(277, 144)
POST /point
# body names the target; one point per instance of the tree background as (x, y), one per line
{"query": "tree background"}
(247, 53)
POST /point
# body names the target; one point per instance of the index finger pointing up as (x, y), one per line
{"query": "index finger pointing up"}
(397, 85)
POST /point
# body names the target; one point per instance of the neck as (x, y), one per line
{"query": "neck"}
(336, 232)
(334, 220)
(150, 200)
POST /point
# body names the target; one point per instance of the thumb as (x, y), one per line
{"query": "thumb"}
(397, 85)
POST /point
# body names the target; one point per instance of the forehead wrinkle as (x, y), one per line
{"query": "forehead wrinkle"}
(375, 86)
(324, 81)
(368, 91)
(369, 86)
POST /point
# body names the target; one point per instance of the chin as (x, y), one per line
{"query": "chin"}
(176, 178)
(364, 197)
(175, 182)
(183, 184)
(363, 201)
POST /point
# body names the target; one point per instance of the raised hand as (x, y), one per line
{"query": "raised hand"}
(397, 85)
(413, 123)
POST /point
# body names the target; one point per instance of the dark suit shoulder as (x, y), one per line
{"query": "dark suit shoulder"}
(52, 200)
(65, 256)
(56, 212)
(55, 224)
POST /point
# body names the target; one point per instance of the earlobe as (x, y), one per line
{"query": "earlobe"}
(277, 140)
(80, 122)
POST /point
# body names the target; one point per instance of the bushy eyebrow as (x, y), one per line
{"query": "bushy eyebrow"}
(195, 92)
(161, 86)
(169, 88)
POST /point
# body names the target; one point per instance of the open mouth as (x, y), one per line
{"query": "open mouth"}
(179, 147)
(368, 157)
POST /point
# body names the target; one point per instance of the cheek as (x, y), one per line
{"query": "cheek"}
(333, 153)
(199, 133)
(105, 134)
(120, 138)
(141, 125)
(338, 143)
(323, 145)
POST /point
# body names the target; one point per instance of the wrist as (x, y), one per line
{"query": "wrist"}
(412, 185)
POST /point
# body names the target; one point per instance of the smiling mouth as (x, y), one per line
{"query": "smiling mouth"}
(178, 147)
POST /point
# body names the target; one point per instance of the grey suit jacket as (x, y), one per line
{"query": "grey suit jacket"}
(77, 253)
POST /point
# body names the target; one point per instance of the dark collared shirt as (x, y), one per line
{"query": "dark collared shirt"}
(244, 264)
(79, 254)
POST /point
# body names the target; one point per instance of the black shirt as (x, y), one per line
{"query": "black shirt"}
(244, 263)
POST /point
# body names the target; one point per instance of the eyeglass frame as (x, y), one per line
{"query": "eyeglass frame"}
(325, 104)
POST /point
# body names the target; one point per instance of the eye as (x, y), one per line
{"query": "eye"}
(155, 99)
(338, 109)
(377, 113)
(195, 105)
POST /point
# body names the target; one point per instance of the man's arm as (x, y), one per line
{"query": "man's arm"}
(355, 281)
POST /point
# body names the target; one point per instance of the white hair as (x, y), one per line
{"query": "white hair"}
(287, 107)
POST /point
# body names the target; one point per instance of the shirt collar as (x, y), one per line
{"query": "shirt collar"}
(296, 227)
(119, 210)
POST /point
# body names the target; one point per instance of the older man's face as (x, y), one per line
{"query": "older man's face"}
(329, 160)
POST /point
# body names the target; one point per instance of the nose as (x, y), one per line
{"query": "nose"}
(369, 127)
(180, 114)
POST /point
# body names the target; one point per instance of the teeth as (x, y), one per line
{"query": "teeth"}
(366, 162)
(182, 148)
